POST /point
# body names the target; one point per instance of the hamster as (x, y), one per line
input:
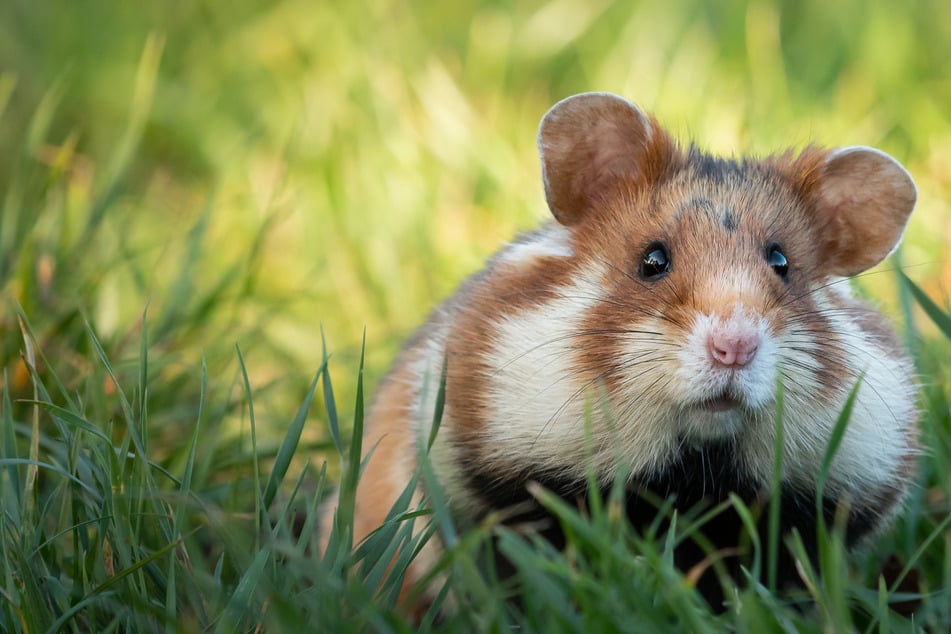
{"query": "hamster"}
(645, 330)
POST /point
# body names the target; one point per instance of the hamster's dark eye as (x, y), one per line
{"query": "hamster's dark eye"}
(776, 260)
(656, 261)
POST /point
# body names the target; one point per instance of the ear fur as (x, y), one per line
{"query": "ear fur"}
(863, 198)
(589, 144)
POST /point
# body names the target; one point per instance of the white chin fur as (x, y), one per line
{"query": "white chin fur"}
(698, 426)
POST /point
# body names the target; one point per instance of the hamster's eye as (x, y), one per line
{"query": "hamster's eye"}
(656, 261)
(777, 261)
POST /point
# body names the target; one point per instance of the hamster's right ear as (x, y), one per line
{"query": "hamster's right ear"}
(864, 198)
(589, 145)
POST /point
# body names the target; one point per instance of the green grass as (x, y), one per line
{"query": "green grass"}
(192, 195)
(98, 535)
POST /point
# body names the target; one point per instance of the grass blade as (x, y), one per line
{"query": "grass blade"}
(256, 467)
(127, 410)
(330, 403)
(30, 493)
(773, 542)
(937, 315)
(835, 439)
(71, 418)
(289, 445)
(239, 603)
(137, 566)
(143, 404)
(10, 446)
(440, 405)
(343, 523)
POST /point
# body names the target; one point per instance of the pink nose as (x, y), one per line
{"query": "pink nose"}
(733, 347)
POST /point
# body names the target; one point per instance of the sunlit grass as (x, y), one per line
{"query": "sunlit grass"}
(178, 180)
(98, 535)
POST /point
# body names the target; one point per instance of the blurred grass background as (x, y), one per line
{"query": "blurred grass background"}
(253, 170)
(181, 178)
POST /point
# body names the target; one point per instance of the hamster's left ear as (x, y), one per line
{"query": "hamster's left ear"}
(863, 198)
(593, 146)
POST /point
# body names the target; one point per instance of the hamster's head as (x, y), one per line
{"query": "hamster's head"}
(696, 288)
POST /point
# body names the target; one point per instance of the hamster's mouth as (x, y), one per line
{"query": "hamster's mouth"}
(722, 402)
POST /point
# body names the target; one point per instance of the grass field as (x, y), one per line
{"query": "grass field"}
(195, 196)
